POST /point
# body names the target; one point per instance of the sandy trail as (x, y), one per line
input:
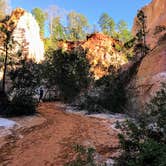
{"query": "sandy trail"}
(51, 143)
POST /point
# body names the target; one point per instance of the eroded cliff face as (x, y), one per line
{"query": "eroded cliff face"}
(102, 52)
(25, 32)
(156, 17)
(152, 69)
(151, 73)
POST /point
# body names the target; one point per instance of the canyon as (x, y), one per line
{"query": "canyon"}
(49, 139)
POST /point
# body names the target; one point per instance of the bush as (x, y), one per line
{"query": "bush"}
(25, 78)
(22, 104)
(26, 75)
(69, 71)
(114, 95)
(85, 156)
(108, 94)
(144, 142)
(3, 102)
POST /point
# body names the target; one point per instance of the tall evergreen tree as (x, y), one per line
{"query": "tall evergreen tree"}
(77, 24)
(141, 33)
(58, 31)
(53, 12)
(124, 34)
(107, 24)
(40, 17)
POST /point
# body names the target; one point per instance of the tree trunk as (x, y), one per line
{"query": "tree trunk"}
(5, 68)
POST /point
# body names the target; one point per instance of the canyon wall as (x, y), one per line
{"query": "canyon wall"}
(25, 33)
(25, 37)
(152, 70)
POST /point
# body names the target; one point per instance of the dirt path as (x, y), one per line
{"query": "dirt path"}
(51, 144)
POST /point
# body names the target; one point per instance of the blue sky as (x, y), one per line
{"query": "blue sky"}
(92, 9)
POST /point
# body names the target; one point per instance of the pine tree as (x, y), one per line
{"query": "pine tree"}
(141, 33)
(107, 24)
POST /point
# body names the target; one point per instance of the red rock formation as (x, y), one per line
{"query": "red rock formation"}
(152, 69)
(155, 12)
(101, 53)
(151, 73)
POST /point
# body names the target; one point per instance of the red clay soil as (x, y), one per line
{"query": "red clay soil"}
(51, 144)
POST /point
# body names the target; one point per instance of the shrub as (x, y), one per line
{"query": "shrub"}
(22, 104)
(114, 95)
(108, 94)
(3, 102)
(25, 78)
(69, 71)
(26, 75)
(144, 142)
(85, 156)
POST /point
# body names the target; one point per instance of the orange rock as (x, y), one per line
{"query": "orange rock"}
(101, 52)
(151, 73)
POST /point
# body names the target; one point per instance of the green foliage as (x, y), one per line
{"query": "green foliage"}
(58, 32)
(54, 15)
(40, 17)
(124, 34)
(118, 47)
(77, 24)
(26, 76)
(69, 71)
(129, 44)
(3, 101)
(108, 94)
(107, 24)
(114, 95)
(141, 34)
(47, 44)
(144, 142)
(128, 48)
(85, 156)
(25, 79)
(21, 104)
(119, 31)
